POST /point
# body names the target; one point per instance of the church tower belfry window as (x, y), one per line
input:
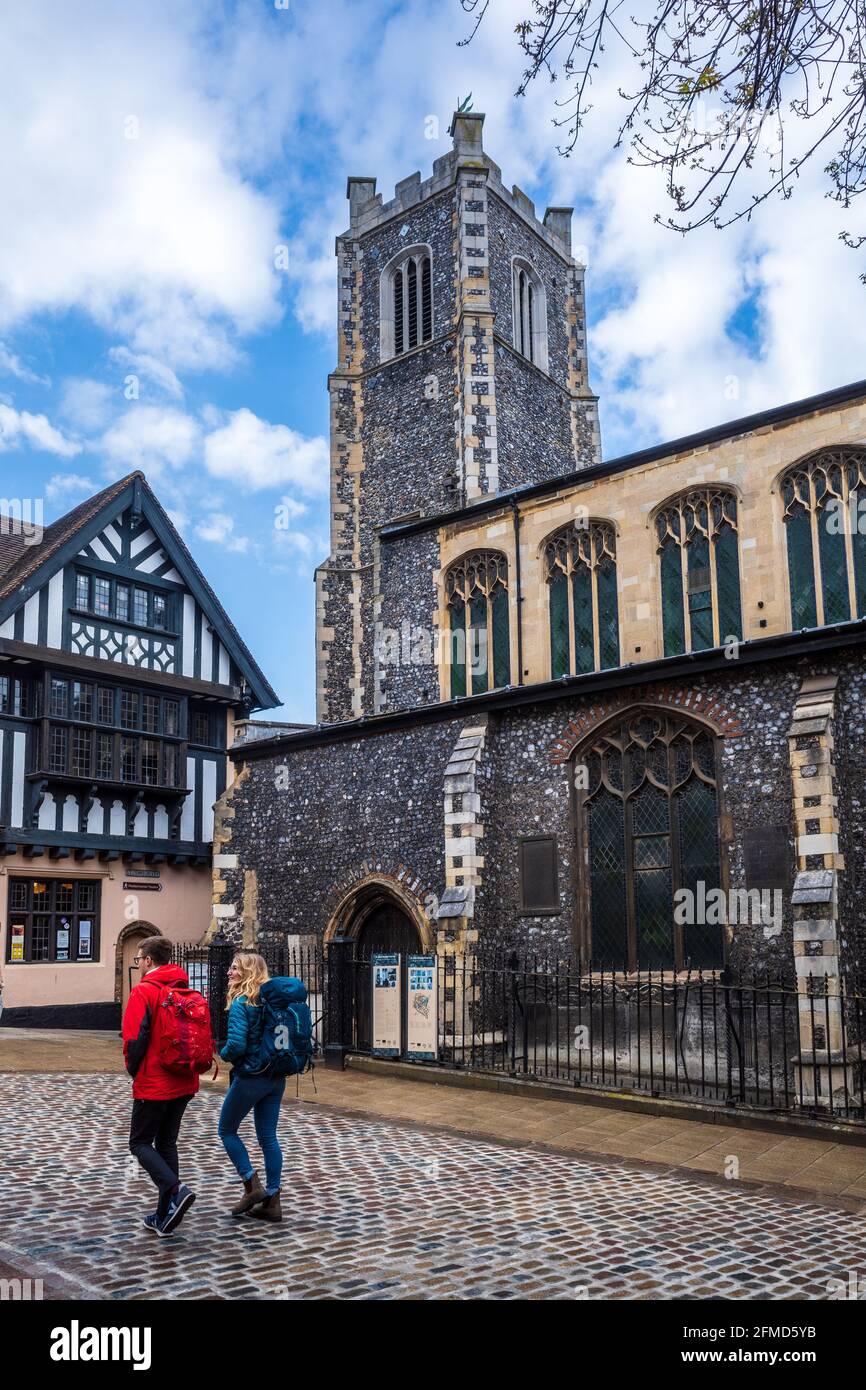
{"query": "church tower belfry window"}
(406, 302)
(529, 313)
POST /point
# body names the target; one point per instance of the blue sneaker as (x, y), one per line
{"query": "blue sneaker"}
(151, 1223)
(178, 1207)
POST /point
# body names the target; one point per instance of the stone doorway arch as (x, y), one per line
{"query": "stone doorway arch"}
(128, 941)
(377, 915)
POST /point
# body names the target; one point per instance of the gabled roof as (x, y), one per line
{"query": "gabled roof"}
(23, 567)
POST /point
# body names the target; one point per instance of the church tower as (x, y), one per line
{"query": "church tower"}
(462, 373)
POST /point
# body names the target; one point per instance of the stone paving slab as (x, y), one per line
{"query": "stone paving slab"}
(816, 1163)
(382, 1209)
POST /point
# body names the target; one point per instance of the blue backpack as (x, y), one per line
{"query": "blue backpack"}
(287, 1046)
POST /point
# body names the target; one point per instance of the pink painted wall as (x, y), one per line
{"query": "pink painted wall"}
(181, 911)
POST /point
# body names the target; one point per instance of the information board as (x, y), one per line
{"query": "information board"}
(386, 1005)
(422, 1014)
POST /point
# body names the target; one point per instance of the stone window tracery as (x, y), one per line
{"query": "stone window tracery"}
(697, 543)
(476, 597)
(580, 569)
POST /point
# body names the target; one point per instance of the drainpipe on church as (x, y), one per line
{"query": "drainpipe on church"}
(516, 516)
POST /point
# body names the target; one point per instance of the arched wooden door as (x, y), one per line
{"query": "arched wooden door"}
(386, 929)
(130, 974)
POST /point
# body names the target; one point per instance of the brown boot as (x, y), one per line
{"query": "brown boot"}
(269, 1209)
(253, 1193)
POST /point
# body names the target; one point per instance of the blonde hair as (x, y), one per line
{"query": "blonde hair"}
(253, 972)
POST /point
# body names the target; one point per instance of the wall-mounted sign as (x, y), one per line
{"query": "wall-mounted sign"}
(422, 1014)
(145, 873)
(142, 887)
(386, 1005)
(17, 952)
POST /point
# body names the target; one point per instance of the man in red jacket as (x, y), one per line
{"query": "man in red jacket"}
(160, 1097)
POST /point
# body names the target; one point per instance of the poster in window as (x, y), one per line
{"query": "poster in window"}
(386, 1005)
(62, 943)
(17, 952)
(422, 1013)
(85, 939)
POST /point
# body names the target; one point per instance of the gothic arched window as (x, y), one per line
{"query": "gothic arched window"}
(476, 596)
(700, 570)
(580, 569)
(648, 818)
(529, 313)
(826, 537)
(406, 302)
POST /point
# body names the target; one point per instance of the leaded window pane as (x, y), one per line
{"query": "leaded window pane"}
(426, 301)
(608, 615)
(558, 603)
(457, 612)
(700, 594)
(581, 583)
(501, 639)
(608, 880)
(673, 618)
(479, 644)
(858, 541)
(728, 586)
(801, 573)
(834, 568)
(697, 813)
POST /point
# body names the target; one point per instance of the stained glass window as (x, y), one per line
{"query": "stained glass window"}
(476, 593)
(648, 821)
(699, 569)
(826, 537)
(580, 567)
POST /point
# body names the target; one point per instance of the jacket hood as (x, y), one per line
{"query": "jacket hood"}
(283, 990)
(167, 975)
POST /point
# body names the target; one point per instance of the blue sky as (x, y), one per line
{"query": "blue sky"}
(173, 179)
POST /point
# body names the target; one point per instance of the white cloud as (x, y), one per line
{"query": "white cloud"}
(159, 238)
(19, 428)
(86, 403)
(219, 528)
(151, 438)
(141, 364)
(12, 365)
(69, 488)
(256, 454)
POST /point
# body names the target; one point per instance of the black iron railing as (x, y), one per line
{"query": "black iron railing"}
(692, 1035)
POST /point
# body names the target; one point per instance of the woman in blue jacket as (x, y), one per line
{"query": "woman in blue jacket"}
(248, 1090)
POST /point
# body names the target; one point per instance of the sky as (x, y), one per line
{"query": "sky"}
(172, 178)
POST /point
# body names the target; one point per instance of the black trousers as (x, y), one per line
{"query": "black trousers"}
(153, 1139)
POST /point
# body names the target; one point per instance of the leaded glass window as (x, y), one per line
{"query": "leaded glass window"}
(649, 826)
(825, 529)
(529, 314)
(696, 536)
(476, 597)
(580, 568)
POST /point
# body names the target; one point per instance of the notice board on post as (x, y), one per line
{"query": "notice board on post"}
(386, 1005)
(422, 1014)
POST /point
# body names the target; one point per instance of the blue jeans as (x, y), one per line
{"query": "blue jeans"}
(262, 1095)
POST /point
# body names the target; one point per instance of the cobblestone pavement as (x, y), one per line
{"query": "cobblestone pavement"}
(380, 1210)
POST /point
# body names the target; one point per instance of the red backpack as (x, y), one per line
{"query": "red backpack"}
(184, 1042)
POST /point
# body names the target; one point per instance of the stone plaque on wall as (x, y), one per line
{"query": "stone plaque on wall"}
(767, 857)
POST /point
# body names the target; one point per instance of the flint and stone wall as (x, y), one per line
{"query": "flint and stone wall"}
(311, 822)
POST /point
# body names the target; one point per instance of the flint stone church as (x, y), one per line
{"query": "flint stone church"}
(558, 695)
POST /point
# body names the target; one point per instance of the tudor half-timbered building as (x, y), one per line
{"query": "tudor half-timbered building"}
(121, 679)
